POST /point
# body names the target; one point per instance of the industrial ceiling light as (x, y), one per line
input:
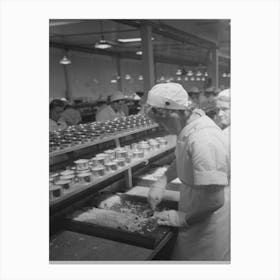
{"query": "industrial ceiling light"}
(102, 44)
(186, 78)
(65, 60)
(139, 52)
(198, 78)
(161, 79)
(189, 73)
(140, 78)
(113, 81)
(206, 74)
(203, 79)
(179, 72)
(179, 78)
(198, 74)
(224, 75)
(130, 40)
(192, 79)
(127, 77)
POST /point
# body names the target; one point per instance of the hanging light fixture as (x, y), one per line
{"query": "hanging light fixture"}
(139, 52)
(198, 74)
(65, 60)
(179, 78)
(203, 79)
(102, 44)
(179, 72)
(186, 78)
(161, 79)
(189, 73)
(140, 78)
(224, 75)
(114, 81)
(192, 79)
(127, 77)
(206, 74)
(198, 78)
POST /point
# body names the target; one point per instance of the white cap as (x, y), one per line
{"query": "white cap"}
(117, 96)
(194, 90)
(224, 95)
(168, 96)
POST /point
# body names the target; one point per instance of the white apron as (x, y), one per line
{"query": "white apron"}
(208, 240)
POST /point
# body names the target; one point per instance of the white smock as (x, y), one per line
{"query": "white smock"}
(107, 113)
(201, 160)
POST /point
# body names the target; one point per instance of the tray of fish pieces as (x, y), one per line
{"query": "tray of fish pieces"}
(121, 217)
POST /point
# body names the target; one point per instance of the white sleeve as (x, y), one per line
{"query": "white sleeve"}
(209, 163)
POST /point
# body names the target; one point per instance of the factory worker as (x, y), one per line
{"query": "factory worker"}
(70, 115)
(56, 110)
(112, 111)
(194, 94)
(202, 166)
(222, 117)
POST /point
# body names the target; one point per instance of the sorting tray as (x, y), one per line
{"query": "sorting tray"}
(146, 238)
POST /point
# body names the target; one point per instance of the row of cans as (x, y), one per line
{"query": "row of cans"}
(86, 171)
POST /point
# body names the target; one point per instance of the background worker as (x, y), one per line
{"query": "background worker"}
(56, 110)
(112, 111)
(222, 117)
(202, 166)
(70, 115)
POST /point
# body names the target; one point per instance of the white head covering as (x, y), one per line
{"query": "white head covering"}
(168, 96)
(117, 96)
(224, 95)
(194, 90)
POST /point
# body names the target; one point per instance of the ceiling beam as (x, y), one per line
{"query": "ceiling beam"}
(58, 22)
(92, 33)
(172, 32)
(126, 54)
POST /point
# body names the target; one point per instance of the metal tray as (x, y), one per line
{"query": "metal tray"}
(146, 239)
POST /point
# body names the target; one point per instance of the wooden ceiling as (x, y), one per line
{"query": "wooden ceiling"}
(178, 40)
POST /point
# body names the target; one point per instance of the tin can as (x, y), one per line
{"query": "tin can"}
(65, 185)
(55, 191)
(98, 171)
(70, 178)
(82, 164)
(84, 177)
(111, 166)
(121, 162)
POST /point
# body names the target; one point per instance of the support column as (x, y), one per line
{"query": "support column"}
(147, 58)
(68, 93)
(119, 73)
(213, 67)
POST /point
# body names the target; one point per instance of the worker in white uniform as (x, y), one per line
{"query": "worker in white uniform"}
(202, 165)
(56, 110)
(112, 111)
(222, 118)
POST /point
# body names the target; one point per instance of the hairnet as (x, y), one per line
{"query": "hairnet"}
(168, 96)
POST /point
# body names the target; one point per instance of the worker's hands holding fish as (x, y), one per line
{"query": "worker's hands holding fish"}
(171, 218)
(156, 192)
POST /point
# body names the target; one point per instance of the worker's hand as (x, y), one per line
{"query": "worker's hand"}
(171, 218)
(109, 202)
(156, 192)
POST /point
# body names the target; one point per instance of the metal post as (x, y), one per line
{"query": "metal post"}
(213, 67)
(119, 73)
(147, 58)
(68, 94)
